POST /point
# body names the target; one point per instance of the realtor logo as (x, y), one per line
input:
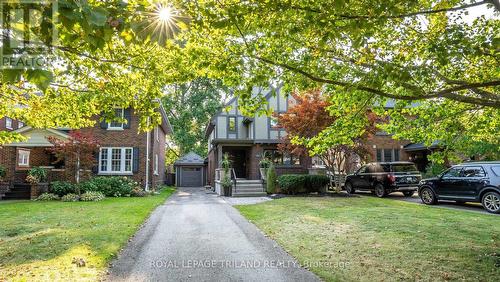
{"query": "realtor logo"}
(28, 33)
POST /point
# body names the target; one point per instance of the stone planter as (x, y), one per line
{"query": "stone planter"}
(38, 189)
(4, 188)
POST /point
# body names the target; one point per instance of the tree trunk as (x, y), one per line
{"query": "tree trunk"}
(77, 176)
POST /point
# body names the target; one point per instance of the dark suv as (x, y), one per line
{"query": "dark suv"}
(467, 182)
(384, 178)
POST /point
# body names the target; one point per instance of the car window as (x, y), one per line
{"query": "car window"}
(473, 171)
(362, 169)
(452, 172)
(496, 170)
(404, 168)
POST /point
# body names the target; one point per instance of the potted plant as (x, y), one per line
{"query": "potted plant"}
(37, 177)
(4, 186)
(226, 183)
(264, 165)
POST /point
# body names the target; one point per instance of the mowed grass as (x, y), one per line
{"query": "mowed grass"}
(40, 240)
(371, 239)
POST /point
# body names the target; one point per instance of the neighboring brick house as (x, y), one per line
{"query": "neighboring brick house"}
(123, 150)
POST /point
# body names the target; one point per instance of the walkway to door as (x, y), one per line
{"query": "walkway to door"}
(198, 236)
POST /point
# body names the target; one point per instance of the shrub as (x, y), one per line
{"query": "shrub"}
(92, 196)
(433, 169)
(112, 186)
(70, 198)
(62, 188)
(314, 183)
(86, 186)
(36, 175)
(292, 183)
(3, 172)
(47, 197)
(271, 179)
(265, 163)
(138, 192)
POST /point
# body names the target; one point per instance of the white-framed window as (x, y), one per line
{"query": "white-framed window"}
(8, 123)
(157, 133)
(156, 165)
(114, 125)
(115, 160)
(20, 124)
(23, 158)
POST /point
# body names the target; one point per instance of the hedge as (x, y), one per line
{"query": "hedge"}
(302, 183)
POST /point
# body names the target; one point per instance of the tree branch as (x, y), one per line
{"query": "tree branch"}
(412, 14)
(446, 93)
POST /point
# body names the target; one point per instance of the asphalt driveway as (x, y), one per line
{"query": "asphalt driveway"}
(197, 236)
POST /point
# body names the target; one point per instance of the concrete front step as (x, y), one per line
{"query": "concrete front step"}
(247, 190)
(249, 194)
(249, 182)
(251, 186)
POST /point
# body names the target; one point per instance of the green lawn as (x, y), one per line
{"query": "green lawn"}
(371, 239)
(38, 240)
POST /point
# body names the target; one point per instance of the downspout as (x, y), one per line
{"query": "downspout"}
(146, 187)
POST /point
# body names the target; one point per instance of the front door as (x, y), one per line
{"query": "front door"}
(238, 159)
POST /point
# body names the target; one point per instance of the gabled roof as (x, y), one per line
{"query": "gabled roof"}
(37, 137)
(420, 146)
(190, 158)
(165, 124)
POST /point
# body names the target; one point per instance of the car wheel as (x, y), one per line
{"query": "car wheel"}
(427, 196)
(349, 189)
(491, 202)
(380, 190)
(408, 193)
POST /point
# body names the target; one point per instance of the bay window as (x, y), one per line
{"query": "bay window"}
(280, 158)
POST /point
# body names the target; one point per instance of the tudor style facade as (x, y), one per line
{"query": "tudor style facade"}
(124, 151)
(248, 140)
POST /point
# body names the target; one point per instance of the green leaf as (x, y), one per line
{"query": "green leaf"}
(99, 16)
(41, 78)
(11, 75)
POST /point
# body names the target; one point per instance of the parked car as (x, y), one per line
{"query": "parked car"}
(384, 178)
(467, 182)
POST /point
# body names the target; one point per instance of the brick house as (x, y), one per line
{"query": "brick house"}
(247, 141)
(124, 151)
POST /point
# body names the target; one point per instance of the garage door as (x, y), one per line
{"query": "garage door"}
(191, 177)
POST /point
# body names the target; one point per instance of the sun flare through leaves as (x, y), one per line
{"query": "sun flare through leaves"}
(163, 22)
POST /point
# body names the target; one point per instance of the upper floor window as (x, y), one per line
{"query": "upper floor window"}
(8, 123)
(273, 122)
(20, 124)
(119, 113)
(157, 133)
(23, 158)
(115, 160)
(231, 124)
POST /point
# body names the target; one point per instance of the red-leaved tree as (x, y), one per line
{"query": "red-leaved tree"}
(78, 152)
(307, 118)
